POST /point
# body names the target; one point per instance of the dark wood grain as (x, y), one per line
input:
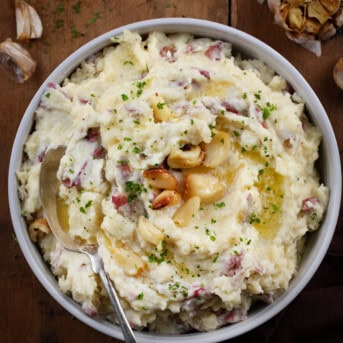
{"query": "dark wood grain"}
(29, 314)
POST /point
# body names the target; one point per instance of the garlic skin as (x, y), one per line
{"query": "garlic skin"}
(16, 60)
(308, 22)
(338, 73)
(29, 25)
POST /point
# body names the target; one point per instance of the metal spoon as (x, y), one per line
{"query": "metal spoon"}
(48, 185)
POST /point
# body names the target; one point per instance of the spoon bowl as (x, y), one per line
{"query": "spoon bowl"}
(48, 186)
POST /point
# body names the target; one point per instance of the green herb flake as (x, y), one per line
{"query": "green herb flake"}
(133, 190)
(89, 203)
(137, 150)
(160, 105)
(137, 122)
(219, 205)
(128, 62)
(47, 95)
(59, 23)
(140, 296)
(244, 96)
(59, 9)
(254, 219)
(124, 97)
(93, 19)
(158, 259)
(212, 238)
(215, 258)
(76, 33)
(76, 7)
(82, 210)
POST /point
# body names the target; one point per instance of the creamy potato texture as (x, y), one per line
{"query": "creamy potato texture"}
(193, 171)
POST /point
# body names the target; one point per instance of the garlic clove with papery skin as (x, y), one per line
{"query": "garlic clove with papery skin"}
(16, 60)
(338, 73)
(29, 25)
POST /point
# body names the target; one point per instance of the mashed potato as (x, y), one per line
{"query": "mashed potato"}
(193, 171)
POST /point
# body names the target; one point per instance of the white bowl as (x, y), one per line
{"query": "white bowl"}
(330, 169)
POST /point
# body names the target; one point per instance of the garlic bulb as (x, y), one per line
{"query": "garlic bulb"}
(16, 60)
(29, 25)
(338, 73)
(308, 22)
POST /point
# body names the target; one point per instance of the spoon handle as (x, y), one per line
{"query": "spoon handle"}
(123, 322)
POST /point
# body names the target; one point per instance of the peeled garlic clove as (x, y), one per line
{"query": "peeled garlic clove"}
(160, 178)
(187, 158)
(186, 212)
(338, 73)
(217, 151)
(166, 198)
(29, 25)
(16, 60)
(207, 187)
(149, 232)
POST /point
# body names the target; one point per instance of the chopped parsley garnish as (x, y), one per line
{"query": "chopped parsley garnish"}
(89, 203)
(59, 9)
(124, 97)
(95, 17)
(137, 150)
(59, 23)
(219, 205)
(47, 95)
(76, 33)
(158, 259)
(140, 85)
(128, 62)
(133, 190)
(254, 219)
(160, 105)
(267, 110)
(76, 7)
(140, 296)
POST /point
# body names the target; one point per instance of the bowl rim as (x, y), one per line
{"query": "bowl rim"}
(255, 48)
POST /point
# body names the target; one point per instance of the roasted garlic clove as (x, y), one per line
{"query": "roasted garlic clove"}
(186, 212)
(338, 73)
(16, 60)
(185, 158)
(216, 152)
(38, 228)
(160, 178)
(296, 18)
(149, 232)
(161, 110)
(130, 262)
(166, 198)
(29, 25)
(207, 187)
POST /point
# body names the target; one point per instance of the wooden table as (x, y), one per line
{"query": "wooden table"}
(29, 314)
